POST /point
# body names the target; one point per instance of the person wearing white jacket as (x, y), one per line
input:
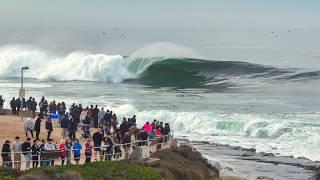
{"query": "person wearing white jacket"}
(28, 126)
(101, 117)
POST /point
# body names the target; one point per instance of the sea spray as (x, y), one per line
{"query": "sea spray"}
(75, 66)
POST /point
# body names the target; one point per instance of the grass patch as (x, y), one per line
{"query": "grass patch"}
(107, 170)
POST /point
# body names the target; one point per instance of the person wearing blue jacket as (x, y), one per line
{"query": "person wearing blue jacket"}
(77, 151)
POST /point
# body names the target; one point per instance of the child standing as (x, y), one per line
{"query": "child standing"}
(68, 147)
(88, 151)
(63, 153)
(77, 151)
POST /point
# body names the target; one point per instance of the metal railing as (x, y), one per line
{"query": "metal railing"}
(125, 152)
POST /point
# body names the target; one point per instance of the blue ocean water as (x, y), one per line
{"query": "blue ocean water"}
(252, 88)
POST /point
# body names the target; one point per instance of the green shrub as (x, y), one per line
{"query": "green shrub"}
(107, 170)
(101, 170)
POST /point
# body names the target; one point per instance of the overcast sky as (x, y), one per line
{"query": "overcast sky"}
(164, 13)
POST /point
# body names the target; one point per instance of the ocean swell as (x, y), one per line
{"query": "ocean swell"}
(153, 71)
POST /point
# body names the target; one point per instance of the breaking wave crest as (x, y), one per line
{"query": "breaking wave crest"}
(154, 71)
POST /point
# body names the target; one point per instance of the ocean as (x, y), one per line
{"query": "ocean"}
(253, 88)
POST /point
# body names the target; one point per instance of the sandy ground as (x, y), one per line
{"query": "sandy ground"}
(11, 126)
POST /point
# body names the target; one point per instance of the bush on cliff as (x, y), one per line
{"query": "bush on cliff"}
(106, 170)
(184, 163)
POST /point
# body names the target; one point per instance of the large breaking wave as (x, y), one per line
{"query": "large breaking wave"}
(154, 71)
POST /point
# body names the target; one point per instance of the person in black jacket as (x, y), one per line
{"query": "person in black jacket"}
(95, 116)
(72, 127)
(35, 149)
(6, 154)
(124, 127)
(1, 105)
(41, 149)
(49, 127)
(97, 140)
(33, 107)
(108, 144)
(13, 106)
(26, 147)
(18, 106)
(64, 123)
(108, 117)
(166, 131)
(37, 126)
(28, 106)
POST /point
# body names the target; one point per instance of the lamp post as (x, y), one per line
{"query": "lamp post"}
(22, 91)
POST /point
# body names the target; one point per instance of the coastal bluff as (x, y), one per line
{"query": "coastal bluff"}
(178, 162)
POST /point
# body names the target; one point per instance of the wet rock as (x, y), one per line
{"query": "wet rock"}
(247, 154)
(217, 165)
(264, 178)
(252, 150)
(228, 169)
(269, 154)
(214, 144)
(290, 157)
(303, 158)
(237, 148)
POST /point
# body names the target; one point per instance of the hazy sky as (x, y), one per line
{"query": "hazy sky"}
(173, 13)
(280, 32)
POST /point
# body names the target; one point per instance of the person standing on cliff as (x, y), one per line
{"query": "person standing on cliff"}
(37, 127)
(29, 126)
(64, 123)
(101, 115)
(77, 147)
(18, 106)
(16, 148)
(97, 141)
(35, 149)
(26, 148)
(1, 105)
(33, 107)
(6, 154)
(49, 127)
(28, 106)
(13, 106)
(95, 116)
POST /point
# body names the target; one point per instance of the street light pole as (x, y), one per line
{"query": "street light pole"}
(22, 91)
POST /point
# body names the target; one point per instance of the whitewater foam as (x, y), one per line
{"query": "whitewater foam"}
(75, 66)
(83, 65)
(279, 133)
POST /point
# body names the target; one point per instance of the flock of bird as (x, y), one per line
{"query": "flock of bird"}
(115, 30)
(277, 35)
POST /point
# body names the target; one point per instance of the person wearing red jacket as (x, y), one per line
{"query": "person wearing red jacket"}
(63, 153)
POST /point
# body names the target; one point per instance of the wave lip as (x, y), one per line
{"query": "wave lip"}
(75, 66)
(152, 71)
